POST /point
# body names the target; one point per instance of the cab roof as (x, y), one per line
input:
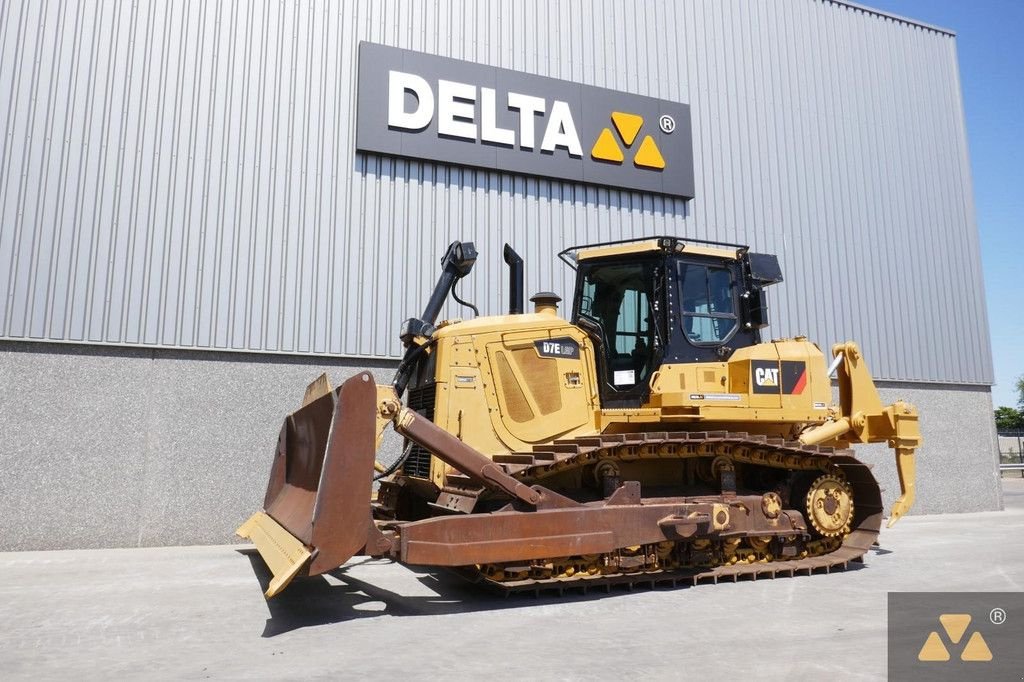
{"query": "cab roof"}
(576, 254)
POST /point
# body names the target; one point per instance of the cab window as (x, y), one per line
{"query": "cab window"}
(708, 304)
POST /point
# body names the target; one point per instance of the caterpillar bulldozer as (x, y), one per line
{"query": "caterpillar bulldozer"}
(652, 437)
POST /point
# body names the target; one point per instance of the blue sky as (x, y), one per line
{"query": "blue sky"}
(990, 43)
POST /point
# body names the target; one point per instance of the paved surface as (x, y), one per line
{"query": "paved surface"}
(198, 612)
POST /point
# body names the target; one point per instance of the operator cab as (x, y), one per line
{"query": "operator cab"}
(664, 300)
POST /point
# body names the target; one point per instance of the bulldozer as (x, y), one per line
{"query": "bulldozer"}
(652, 437)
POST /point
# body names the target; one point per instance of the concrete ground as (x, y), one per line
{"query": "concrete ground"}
(198, 612)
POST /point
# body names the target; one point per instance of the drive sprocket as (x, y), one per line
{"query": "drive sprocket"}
(830, 505)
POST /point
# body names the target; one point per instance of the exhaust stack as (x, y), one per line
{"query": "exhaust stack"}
(515, 281)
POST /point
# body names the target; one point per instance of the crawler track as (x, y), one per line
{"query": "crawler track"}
(671, 567)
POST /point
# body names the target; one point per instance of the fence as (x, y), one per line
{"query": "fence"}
(1011, 451)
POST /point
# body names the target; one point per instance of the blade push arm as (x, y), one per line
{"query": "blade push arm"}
(450, 449)
(866, 420)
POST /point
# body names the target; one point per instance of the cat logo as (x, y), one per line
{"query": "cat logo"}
(954, 625)
(766, 376)
(628, 126)
(774, 377)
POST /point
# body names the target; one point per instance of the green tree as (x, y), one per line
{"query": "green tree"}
(1020, 392)
(1009, 419)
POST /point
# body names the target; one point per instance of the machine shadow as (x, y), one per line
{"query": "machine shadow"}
(314, 601)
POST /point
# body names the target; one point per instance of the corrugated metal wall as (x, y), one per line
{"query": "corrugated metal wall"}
(182, 173)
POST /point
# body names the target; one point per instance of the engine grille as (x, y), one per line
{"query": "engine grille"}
(420, 400)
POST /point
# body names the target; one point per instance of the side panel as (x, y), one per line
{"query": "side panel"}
(541, 384)
(508, 382)
(783, 382)
(802, 376)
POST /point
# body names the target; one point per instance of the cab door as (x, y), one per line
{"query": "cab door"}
(620, 303)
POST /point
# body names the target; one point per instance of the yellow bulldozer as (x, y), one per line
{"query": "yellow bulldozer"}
(651, 438)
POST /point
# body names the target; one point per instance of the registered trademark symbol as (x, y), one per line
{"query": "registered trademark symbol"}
(997, 616)
(667, 123)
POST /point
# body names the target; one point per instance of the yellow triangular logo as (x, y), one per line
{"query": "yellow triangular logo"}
(976, 649)
(606, 149)
(955, 625)
(628, 125)
(933, 649)
(649, 156)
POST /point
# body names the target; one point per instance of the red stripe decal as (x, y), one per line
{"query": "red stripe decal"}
(800, 383)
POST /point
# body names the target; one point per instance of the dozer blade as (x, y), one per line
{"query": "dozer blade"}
(317, 507)
(284, 554)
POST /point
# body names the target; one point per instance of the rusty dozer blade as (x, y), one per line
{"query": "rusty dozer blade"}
(317, 508)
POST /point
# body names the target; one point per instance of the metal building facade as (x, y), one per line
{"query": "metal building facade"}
(187, 236)
(183, 174)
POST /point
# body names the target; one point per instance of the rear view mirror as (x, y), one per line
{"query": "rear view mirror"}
(764, 268)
